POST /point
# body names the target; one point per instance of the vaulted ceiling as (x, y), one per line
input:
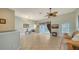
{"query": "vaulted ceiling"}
(39, 13)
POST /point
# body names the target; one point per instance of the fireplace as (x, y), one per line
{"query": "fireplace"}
(54, 34)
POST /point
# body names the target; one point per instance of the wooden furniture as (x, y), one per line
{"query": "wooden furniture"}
(69, 46)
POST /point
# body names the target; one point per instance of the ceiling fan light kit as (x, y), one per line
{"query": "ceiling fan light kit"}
(51, 14)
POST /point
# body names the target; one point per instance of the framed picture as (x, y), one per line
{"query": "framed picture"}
(55, 26)
(2, 21)
(25, 25)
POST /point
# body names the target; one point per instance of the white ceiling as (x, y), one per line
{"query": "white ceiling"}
(34, 13)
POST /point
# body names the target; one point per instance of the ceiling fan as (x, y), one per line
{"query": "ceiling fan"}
(51, 14)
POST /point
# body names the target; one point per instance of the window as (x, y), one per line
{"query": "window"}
(43, 28)
(65, 28)
(78, 23)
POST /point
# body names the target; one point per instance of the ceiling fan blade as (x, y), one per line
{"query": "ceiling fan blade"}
(55, 12)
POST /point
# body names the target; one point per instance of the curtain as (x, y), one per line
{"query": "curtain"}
(49, 27)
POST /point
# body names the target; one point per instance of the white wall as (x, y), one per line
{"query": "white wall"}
(19, 24)
(77, 14)
(9, 15)
(9, 40)
(20, 21)
(66, 18)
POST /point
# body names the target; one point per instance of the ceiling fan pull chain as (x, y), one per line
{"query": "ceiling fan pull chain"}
(50, 9)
